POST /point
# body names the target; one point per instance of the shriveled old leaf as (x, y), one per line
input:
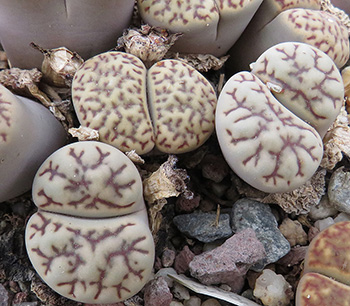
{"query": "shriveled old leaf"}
(336, 141)
(212, 291)
(300, 200)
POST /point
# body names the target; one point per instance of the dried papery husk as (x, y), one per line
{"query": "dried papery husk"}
(166, 182)
(150, 44)
(201, 62)
(59, 65)
(336, 141)
(84, 133)
(26, 83)
(134, 157)
(302, 199)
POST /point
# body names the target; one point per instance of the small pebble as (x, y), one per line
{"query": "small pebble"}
(323, 223)
(164, 273)
(323, 210)
(339, 190)
(293, 231)
(183, 259)
(211, 302)
(176, 303)
(273, 289)
(203, 227)
(180, 292)
(168, 257)
(248, 213)
(157, 293)
(193, 301)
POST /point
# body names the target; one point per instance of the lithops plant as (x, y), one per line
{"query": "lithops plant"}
(317, 28)
(305, 80)
(90, 240)
(29, 133)
(170, 106)
(269, 9)
(209, 27)
(264, 142)
(87, 27)
(326, 279)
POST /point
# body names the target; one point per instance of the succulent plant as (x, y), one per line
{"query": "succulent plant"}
(264, 142)
(209, 27)
(29, 133)
(90, 240)
(170, 106)
(87, 27)
(305, 80)
(317, 28)
(326, 279)
(269, 9)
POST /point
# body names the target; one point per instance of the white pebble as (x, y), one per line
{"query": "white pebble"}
(324, 223)
(211, 302)
(323, 210)
(272, 289)
(193, 301)
(180, 292)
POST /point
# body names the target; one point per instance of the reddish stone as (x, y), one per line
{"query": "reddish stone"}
(230, 261)
(183, 259)
(157, 293)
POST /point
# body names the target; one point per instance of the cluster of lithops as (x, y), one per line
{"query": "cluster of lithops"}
(326, 278)
(270, 122)
(88, 27)
(209, 27)
(90, 240)
(170, 106)
(303, 23)
(29, 133)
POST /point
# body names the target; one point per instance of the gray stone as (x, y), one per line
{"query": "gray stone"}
(229, 262)
(339, 190)
(202, 226)
(248, 213)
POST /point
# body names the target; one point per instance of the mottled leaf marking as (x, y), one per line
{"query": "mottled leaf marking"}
(94, 179)
(305, 80)
(122, 256)
(109, 95)
(321, 30)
